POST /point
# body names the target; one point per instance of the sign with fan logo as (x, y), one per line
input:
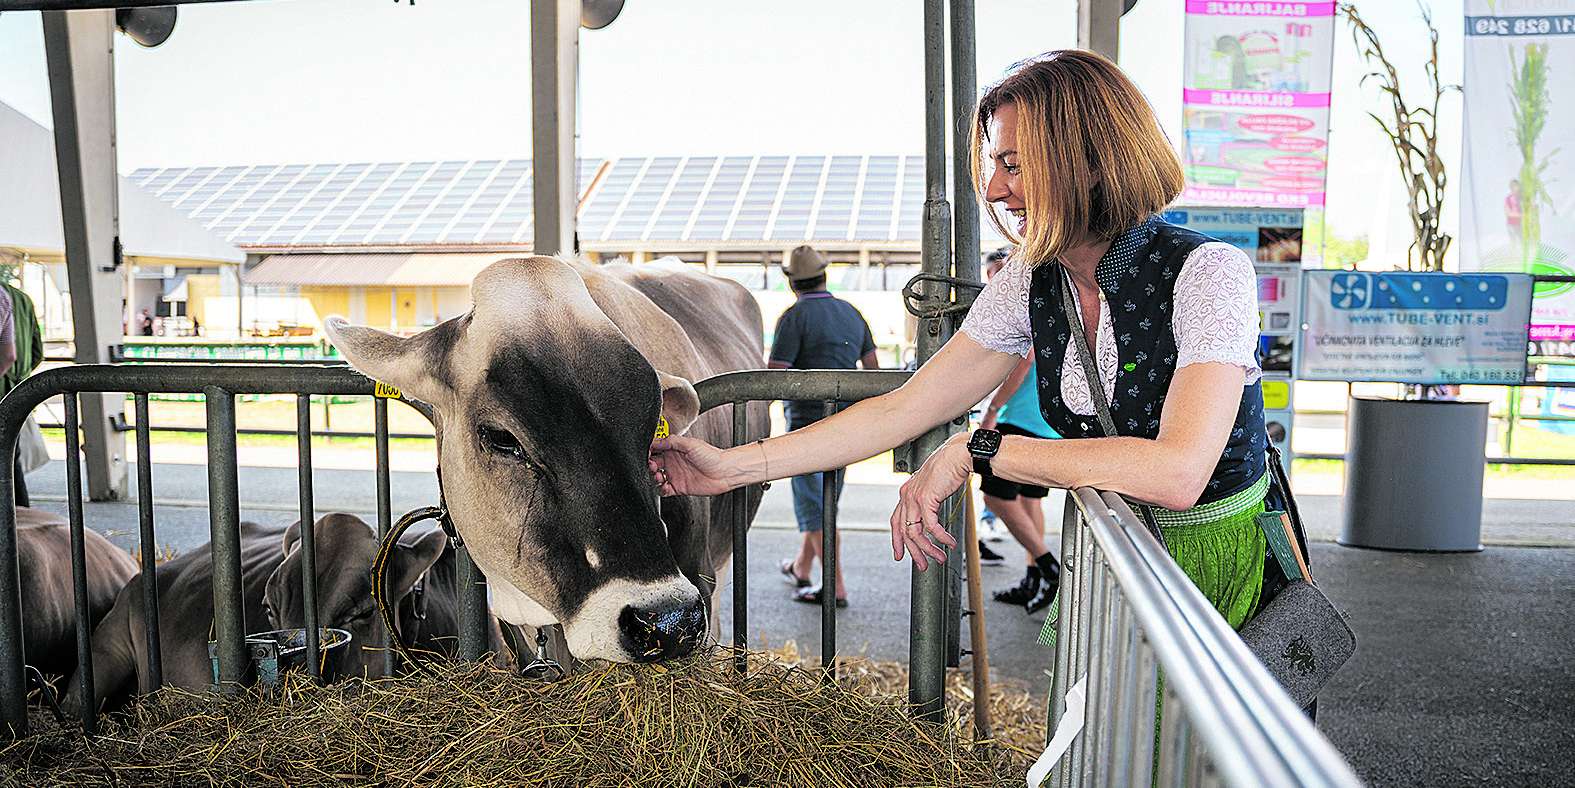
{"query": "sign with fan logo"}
(1414, 327)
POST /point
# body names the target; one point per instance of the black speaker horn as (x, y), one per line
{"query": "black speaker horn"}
(148, 26)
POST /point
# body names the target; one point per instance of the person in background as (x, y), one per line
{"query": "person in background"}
(1014, 410)
(819, 331)
(21, 351)
(145, 323)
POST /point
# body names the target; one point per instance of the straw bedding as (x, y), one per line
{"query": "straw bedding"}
(694, 722)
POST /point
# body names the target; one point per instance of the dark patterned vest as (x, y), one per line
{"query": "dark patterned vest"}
(1138, 277)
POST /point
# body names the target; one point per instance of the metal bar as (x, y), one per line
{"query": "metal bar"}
(1116, 748)
(736, 508)
(384, 513)
(844, 385)
(79, 589)
(1173, 735)
(1098, 659)
(124, 426)
(224, 526)
(150, 564)
(927, 633)
(828, 566)
(474, 616)
(965, 213)
(1146, 694)
(303, 426)
(80, 5)
(1060, 677)
(13, 687)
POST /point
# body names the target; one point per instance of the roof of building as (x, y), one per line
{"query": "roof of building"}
(30, 219)
(757, 201)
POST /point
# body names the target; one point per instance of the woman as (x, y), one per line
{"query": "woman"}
(1070, 150)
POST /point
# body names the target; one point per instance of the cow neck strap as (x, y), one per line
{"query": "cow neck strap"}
(1096, 390)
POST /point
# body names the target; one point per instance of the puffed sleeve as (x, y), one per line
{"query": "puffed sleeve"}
(999, 317)
(1216, 317)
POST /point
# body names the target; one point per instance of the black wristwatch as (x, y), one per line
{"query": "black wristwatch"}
(983, 445)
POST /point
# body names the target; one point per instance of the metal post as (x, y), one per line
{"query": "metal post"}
(224, 527)
(384, 512)
(79, 588)
(965, 213)
(735, 510)
(829, 488)
(554, 53)
(13, 687)
(1099, 26)
(303, 441)
(150, 564)
(79, 47)
(927, 630)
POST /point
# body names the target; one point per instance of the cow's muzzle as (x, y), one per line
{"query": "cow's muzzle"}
(663, 631)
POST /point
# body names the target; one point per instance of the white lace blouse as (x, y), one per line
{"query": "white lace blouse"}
(1215, 319)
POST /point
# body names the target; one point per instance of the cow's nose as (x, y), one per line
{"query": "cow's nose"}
(663, 631)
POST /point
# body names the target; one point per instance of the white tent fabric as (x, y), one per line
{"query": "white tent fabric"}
(30, 204)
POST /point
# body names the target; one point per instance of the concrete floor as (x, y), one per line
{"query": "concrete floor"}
(1464, 673)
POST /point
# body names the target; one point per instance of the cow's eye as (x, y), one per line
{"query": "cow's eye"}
(502, 442)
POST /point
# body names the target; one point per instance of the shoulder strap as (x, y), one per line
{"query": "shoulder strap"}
(1096, 392)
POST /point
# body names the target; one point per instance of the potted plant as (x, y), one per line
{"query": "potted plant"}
(1414, 463)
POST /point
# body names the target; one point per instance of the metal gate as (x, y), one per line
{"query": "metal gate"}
(219, 385)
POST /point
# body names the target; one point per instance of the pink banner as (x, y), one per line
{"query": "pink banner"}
(1254, 98)
(1553, 333)
(1249, 8)
(1210, 195)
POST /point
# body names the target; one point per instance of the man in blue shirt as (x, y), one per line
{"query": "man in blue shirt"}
(819, 331)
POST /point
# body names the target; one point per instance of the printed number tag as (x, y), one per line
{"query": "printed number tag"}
(385, 391)
(662, 429)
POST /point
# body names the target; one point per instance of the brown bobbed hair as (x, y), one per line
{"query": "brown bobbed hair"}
(1094, 161)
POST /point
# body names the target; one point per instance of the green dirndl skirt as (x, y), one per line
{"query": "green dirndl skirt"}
(1219, 546)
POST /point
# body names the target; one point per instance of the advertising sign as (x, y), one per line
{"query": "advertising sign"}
(1255, 101)
(1414, 327)
(1517, 198)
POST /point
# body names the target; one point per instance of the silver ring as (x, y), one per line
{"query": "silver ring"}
(913, 522)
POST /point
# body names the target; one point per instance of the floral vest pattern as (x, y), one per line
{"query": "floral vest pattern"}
(1138, 277)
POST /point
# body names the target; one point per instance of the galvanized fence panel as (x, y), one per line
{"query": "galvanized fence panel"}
(1130, 620)
(219, 385)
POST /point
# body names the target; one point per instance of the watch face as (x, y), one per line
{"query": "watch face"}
(984, 443)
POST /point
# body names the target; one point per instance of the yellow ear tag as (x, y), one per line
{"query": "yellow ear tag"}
(662, 429)
(385, 391)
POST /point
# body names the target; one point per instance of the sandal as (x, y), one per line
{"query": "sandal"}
(786, 567)
(811, 596)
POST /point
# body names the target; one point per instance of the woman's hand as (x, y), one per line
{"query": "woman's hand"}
(689, 466)
(915, 524)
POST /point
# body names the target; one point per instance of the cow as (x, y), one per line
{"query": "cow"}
(545, 396)
(49, 628)
(185, 586)
(422, 575)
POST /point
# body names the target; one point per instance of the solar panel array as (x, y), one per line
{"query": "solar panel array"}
(766, 200)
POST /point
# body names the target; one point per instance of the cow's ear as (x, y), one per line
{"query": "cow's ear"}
(291, 536)
(398, 361)
(680, 403)
(411, 560)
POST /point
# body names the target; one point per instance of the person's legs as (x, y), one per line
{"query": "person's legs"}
(807, 505)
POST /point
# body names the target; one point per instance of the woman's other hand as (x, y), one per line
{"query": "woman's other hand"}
(689, 466)
(916, 527)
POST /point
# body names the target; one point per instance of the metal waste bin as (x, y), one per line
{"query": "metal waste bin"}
(1413, 474)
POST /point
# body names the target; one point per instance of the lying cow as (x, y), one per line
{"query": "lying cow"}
(545, 396)
(120, 648)
(422, 575)
(49, 629)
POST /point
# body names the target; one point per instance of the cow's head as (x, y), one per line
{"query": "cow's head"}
(544, 413)
(344, 547)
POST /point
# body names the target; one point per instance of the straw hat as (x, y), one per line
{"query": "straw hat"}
(804, 263)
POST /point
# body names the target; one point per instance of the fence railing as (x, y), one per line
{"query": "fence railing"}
(219, 385)
(1147, 643)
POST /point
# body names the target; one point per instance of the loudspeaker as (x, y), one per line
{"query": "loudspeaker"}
(597, 14)
(149, 26)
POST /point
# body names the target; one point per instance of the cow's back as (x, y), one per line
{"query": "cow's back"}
(49, 611)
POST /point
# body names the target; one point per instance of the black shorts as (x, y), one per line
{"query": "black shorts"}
(1008, 490)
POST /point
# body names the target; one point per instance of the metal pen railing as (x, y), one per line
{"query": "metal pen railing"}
(1148, 643)
(219, 385)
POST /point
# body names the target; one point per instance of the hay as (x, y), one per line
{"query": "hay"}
(693, 722)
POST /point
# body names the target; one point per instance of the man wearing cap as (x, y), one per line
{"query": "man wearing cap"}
(819, 331)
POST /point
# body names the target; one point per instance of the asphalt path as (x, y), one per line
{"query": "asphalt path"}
(1464, 673)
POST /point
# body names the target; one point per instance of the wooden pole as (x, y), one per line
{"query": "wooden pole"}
(976, 636)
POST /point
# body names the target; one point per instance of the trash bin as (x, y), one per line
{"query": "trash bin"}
(1413, 474)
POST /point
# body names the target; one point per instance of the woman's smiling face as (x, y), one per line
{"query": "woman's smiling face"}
(1005, 185)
